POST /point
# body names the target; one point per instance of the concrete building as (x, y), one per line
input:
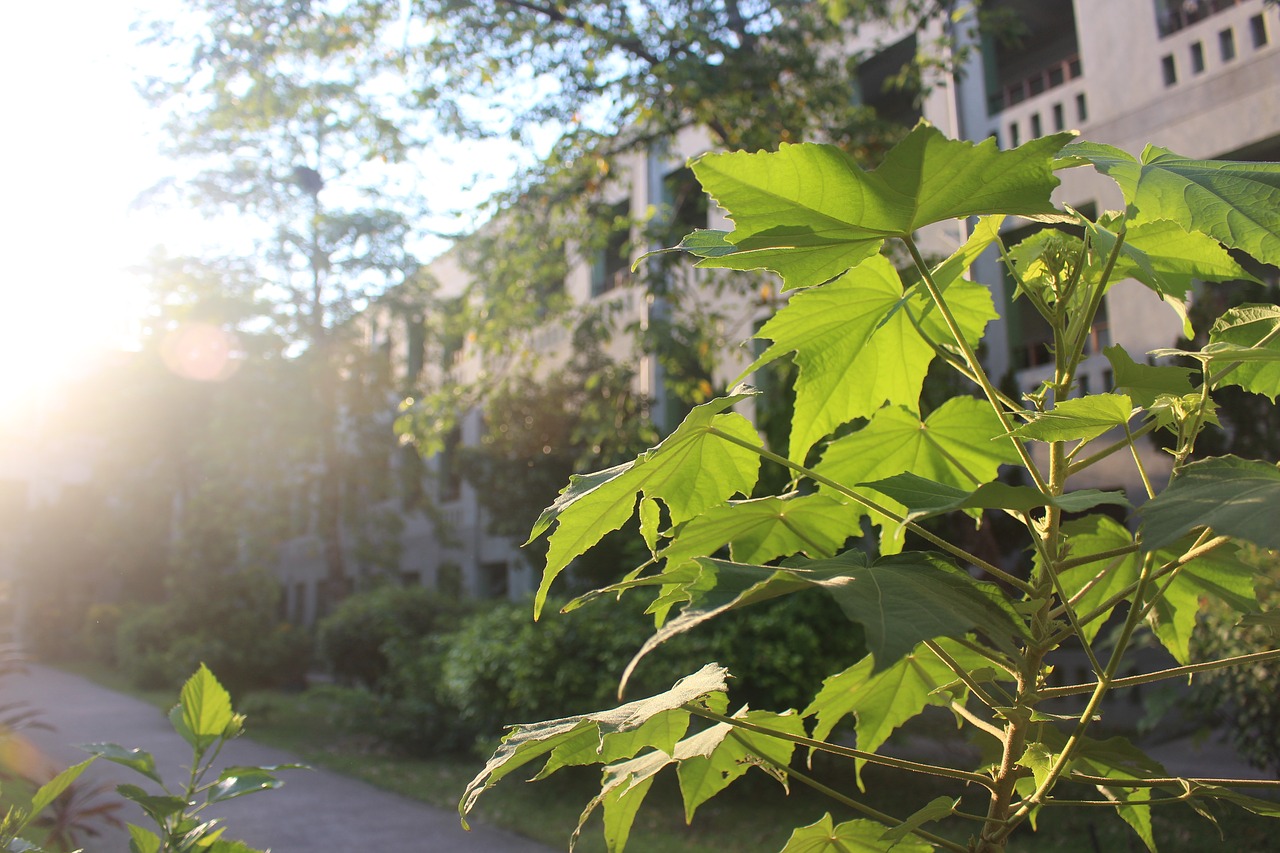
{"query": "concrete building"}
(1200, 77)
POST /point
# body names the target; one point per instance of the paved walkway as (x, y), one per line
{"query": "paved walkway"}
(314, 811)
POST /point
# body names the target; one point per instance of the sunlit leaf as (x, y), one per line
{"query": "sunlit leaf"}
(206, 707)
(1143, 383)
(959, 445)
(1078, 419)
(1245, 327)
(703, 776)
(526, 743)
(761, 530)
(1236, 203)
(852, 836)
(54, 788)
(692, 470)
(809, 212)
(882, 701)
(924, 498)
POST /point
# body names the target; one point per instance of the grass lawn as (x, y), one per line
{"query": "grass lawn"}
(752, 815)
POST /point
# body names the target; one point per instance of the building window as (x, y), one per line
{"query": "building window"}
(1169, 69)
(1036, 129)
(1014, 139)
(450, 472)
(1059, 118)
(1258, 30)
(496, 580)
(1227, 44)
(1197, 57)
(1082, 108)
(612, 266)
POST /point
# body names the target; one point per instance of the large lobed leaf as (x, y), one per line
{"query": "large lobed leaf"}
(565, 739)
(958, 445)
(1233, 496)
(852, 836)
(1219, 575)
(858, 340)
(882, 701)
(692, 470)
(1239, 334)
(809, 212)
(1236, 203)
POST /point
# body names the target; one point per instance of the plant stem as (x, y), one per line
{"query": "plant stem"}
(1110, 449)
(847, 752)
(971, 358)
(1164, 674)
(887, 819)
(961, 673)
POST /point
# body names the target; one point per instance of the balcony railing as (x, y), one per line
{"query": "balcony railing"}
(1049, 77)
(1174, 15)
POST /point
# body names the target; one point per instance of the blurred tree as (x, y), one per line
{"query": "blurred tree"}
(280, 117)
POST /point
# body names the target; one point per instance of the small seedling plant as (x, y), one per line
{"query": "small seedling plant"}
(943, 626)
(205, 720)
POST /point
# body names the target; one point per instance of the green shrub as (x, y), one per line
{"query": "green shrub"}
(1244, 698)
(501, 666)
(229, 622)
(351, 639)
(98, 635)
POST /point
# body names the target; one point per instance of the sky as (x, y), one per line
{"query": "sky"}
(78, 146)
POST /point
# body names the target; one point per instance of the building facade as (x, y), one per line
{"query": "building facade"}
(1200, 77)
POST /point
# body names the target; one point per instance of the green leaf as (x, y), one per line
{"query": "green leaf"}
(158, 807)
(1237, 204)
(707, 243)
(51, 790)
(1039, 759)
(1143, 383)
(1167, 258)
(1233, 496)
(853, 836)
(923, 497)
(143, 840)
(692, 470)
(1245, 327)
(135, 759)
(903, 599)
(959, 445)
(882, 701)
(935, 809)
(761, 530)
(238, 781)
(206, 707)
(1219, 575)
(704, 775)
(527, 742)
(809, 212)
(1096, 534)
(860, 325)
(830, 328)
(1078, 419)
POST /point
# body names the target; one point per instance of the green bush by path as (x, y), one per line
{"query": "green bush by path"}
(351, 640)
(228, 621)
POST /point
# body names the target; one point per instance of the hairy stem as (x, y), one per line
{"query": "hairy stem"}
(971, 359)
(847, 752)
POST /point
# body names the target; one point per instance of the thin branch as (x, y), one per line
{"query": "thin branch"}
(887, 819)
(993, 397)
(1164, 674)
(844, 751)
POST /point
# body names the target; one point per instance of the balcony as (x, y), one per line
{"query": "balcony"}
(1175, 15)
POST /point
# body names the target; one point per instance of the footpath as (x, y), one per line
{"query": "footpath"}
(316, 811)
